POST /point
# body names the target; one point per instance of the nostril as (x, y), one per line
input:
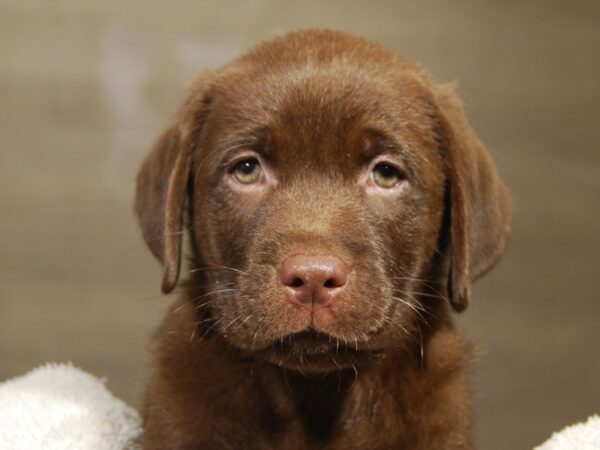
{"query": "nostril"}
(296, 282)
(331, 283)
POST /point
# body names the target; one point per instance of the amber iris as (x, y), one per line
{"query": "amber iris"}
(247, 171)
(386, 175)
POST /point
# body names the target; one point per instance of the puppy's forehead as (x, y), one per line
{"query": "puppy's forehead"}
(321, 113)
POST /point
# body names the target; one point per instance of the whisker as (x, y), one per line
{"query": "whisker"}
(233, 269)
(247, 318)
(427, 283)
(215, 323)
(421, 343)
(232, 322)
(257, 330)
(215, 292)
(405, 330)
(179, 308)
(416, 309)
(435, 296)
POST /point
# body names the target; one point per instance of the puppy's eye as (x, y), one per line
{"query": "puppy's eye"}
(386, 176)
(247, 171)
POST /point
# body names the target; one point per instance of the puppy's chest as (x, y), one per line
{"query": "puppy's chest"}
(356, 417)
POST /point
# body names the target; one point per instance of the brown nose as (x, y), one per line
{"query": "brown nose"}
(313, 280)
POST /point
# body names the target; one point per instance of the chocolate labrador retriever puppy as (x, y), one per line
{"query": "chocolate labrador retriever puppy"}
(338, 207)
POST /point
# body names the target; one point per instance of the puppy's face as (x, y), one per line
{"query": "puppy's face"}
(318, 206)
(328, 196)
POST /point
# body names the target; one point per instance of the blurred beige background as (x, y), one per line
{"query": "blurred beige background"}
(85, 86)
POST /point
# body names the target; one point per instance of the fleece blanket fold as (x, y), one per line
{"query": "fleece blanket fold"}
(581, 436)
(60, 407)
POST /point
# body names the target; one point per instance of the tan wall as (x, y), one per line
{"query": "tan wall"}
(85, 86)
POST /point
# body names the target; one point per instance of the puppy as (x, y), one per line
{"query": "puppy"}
(338, 207)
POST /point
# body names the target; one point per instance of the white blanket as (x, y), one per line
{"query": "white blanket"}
(581, 436)
(59, 407)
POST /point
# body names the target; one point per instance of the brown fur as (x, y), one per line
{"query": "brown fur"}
(239, 366)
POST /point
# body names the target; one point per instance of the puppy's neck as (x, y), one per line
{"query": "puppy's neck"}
(318, 399)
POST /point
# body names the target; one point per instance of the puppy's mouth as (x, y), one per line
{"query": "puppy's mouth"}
(307, 342)
(315, 351)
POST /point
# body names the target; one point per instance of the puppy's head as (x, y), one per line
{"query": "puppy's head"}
(332, 193)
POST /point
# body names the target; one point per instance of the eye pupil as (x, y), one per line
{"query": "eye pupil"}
(247, 167)
(387, 171)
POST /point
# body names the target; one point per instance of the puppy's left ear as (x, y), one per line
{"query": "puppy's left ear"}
(162, 184)
(479, 203)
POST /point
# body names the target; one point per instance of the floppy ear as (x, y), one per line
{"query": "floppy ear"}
(479, 203)
(162, 185)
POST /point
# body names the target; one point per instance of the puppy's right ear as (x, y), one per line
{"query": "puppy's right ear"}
(480, 206)
(162, 184)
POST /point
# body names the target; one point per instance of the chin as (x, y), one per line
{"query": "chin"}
(312, 351)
